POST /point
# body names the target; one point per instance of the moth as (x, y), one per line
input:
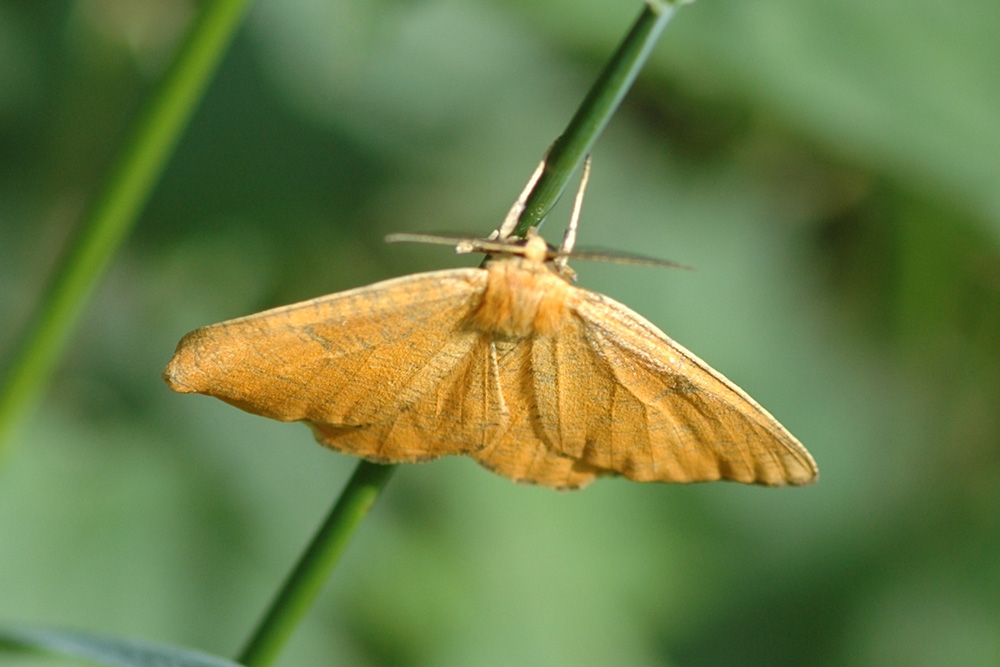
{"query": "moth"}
(509, 364)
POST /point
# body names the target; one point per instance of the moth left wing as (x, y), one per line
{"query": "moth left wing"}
(455, 406)
(389, 359)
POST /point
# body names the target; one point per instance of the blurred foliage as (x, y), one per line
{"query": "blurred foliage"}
(829, 168)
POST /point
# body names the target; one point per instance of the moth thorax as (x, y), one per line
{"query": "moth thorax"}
(522, 298)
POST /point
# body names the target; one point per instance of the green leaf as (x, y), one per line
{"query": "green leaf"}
(107, 650)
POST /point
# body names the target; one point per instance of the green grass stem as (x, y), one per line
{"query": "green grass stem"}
(306, 580)
(114, 210)
(596, 110)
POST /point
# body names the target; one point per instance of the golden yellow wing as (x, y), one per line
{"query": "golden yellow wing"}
(521, 449)
(617, 396)
(384, 371)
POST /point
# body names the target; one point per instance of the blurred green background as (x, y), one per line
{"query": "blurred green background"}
(832, 171)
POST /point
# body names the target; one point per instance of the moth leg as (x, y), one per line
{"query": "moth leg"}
(569, 236)
(509, 224)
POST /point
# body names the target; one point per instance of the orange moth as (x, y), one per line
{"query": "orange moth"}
(510, 364)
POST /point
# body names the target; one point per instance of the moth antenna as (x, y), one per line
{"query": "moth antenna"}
(433, 239)
(509, 223)
(502, 241)
(462, 244)
(626, 258)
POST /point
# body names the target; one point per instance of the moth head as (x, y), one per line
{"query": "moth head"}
(532, 248)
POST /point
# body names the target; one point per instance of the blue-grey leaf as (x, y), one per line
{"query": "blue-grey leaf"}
(112, 651)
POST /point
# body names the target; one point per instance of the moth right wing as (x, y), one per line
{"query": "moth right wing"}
(625, 398)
